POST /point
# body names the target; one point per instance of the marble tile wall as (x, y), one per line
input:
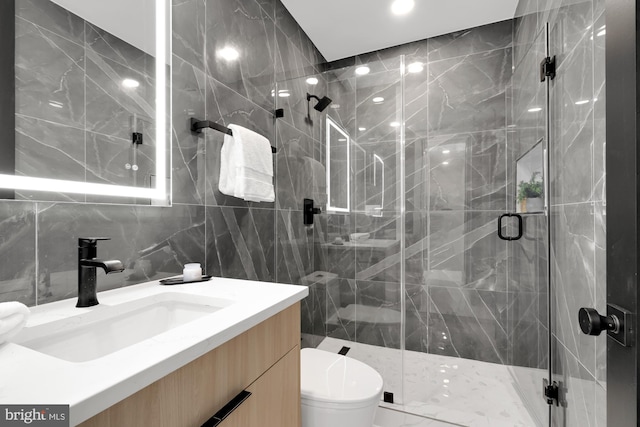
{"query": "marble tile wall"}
(578, 197)
(230, 237)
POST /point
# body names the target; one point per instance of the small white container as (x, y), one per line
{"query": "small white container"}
(192, 272)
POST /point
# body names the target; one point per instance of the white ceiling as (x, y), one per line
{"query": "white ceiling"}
(343, 28)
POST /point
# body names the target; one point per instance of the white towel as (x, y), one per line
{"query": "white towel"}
(13, 317)
(246, 166)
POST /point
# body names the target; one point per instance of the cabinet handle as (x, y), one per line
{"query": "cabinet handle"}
(227, 409)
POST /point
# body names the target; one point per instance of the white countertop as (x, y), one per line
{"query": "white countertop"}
(30, 377)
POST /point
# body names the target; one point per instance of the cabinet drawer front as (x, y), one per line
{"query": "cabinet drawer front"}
(275, 397)
(192, 394)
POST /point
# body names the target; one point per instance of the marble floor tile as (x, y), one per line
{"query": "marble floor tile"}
(448, 389)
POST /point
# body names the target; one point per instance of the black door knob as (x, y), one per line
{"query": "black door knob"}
(592, 323)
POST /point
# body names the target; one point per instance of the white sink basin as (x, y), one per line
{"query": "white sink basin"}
(104, 329)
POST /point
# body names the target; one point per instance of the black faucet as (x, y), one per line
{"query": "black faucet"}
(87, 264)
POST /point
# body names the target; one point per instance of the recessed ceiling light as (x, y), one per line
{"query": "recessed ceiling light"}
(378, 100)
(228, 53)
(312, 81)
(394, 124)
(362, 129)
(56, 104)
(284, 93)
(535, 109)
(335, 106)
(130, 83)
(342, 140)
(446, 151)
(402, 7)
(582, 102)
(445, 163)
(363, 71)
(416, 67)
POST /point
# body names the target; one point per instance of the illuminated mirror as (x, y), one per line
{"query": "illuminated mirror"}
(89, 119)
(338, 158)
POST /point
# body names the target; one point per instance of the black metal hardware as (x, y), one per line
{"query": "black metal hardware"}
(548, 69)
(520, 227)
(387, 397)
(227, 409)
(87, 264)
(551, 392)
(136, 138)
(308, 211)
(279, 113)
(617, 323)
(198, 125)
(344, 350)
(592, 323)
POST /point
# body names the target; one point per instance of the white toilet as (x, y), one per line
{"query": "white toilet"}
(337, 391)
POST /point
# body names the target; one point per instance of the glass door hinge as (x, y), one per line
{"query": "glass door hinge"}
(548, 69)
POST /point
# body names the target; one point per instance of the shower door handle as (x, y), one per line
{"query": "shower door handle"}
(520, 227)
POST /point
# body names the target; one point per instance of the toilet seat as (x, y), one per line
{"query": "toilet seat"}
(333, 381)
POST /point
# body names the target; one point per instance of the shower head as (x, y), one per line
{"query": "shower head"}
(322, 103)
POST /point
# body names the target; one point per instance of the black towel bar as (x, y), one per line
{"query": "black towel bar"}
(198, 125)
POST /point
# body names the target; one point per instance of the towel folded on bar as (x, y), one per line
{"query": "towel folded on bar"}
(246, 166)
(13, 317)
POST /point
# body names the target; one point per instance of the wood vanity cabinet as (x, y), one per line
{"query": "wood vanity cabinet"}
(264, 361)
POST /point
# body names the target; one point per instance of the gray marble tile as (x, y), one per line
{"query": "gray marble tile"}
(599, 108)
(416, 175)
(241, 243)
(18, 252)
(390, 59)
(377, 117)
(295, 246)
(116, 161)
(467, 171)
(416, 318)
(113, 109)
(527, 260)
(465, 251)
(189, 31)
(290, 63)
(245, 27)
(570, 26)
(188, 149)
(526, 29)
(572, 127)
(524, 329)
(341, 310)
(49, 76)
(468, 93)
(574, 276)
(298, 174)
(378, 313)
(52, 17)
(466, 323)
(226, 107)
(109, 46)
(151, 242)
(578, 391)
(49, 150)
(291, 95)
(474, 40)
